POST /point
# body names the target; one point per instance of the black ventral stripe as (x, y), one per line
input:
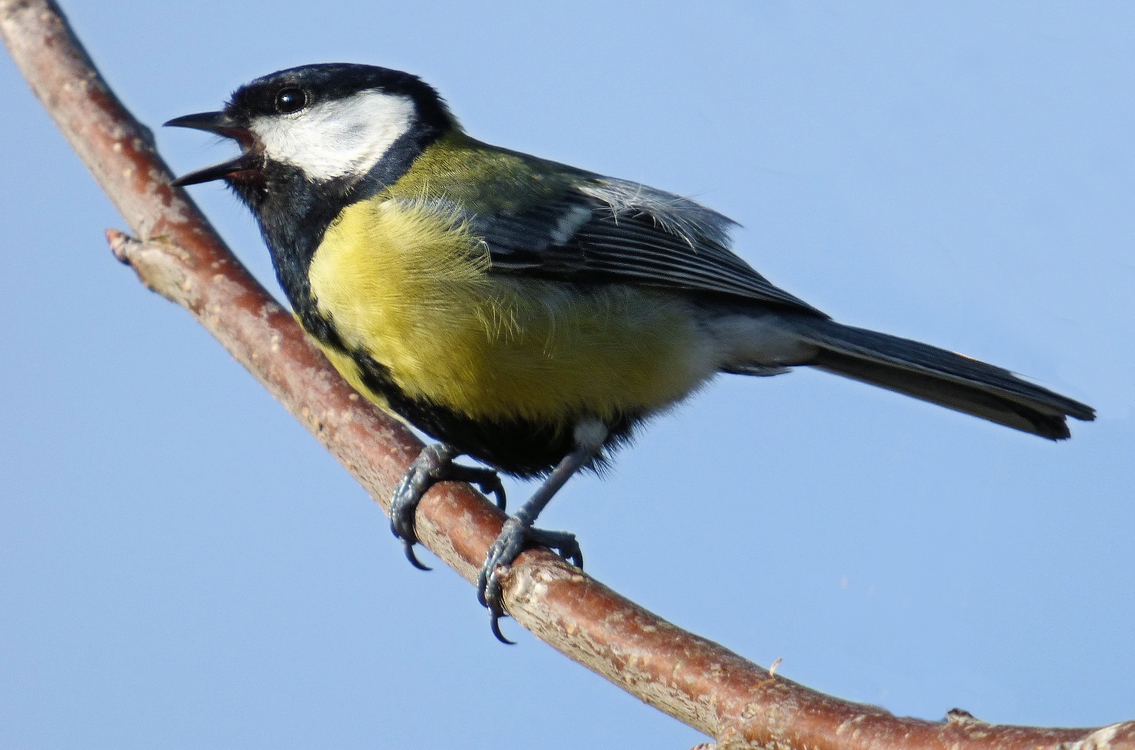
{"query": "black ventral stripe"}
(519, 447)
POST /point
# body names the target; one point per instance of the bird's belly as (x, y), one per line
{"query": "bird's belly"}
(401, 291)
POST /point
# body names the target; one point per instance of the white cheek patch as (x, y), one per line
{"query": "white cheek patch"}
(337, 138)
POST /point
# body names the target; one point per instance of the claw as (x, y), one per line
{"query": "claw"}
(495, 625)
(496, 488)
(491, 596)
(430, 467)
(515, 537)
(408, 548)
(486, 479)
(561, 542)
(435, 464)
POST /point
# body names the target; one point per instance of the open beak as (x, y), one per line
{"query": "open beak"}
(223, 125)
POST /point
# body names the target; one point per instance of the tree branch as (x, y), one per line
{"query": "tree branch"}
(181, 257)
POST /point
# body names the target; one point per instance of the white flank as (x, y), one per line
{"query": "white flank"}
(337, 138)
(763, 341)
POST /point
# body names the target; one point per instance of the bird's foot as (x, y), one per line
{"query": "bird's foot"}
(434, 464)
(517, 535)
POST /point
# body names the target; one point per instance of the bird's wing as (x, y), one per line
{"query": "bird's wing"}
(606, 230)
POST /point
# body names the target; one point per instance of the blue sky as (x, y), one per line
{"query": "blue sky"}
(182, 566)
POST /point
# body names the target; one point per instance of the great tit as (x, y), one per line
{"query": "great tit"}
(522, 312)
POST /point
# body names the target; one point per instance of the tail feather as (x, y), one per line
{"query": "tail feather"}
(941, 377)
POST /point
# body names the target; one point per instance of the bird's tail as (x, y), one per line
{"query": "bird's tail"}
(941, 377)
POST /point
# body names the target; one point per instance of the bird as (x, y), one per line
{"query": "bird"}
(524, 313)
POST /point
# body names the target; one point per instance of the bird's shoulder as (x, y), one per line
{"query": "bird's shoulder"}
(551, 220)
(479, 178)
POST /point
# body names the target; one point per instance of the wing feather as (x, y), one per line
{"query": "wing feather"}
(612, 230)
(540, 218)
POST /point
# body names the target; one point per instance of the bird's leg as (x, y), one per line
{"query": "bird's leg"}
(519, 533)
(434, 464)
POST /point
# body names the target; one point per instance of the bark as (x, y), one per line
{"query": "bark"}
(180, 256)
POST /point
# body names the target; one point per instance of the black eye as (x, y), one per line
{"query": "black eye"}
(290, 99)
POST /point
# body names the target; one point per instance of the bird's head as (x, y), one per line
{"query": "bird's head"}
(334, 122)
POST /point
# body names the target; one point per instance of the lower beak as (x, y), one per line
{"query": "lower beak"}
(215, 172)
(223, 125)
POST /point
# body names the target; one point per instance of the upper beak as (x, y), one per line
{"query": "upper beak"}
(221, 124)
(211, 122)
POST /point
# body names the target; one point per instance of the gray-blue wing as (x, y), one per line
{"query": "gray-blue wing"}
(609, 230)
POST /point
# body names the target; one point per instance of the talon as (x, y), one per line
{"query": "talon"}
(562, 542)
(487, 480)
(494, 624)
(434, 464)
(408, 548)
(492, 597)
(570, 551)
(430, 467)
(496, 488)
(515, 537)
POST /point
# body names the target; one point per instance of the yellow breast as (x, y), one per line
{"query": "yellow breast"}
(411, 287)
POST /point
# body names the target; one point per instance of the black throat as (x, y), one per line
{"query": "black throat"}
(294, 212)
